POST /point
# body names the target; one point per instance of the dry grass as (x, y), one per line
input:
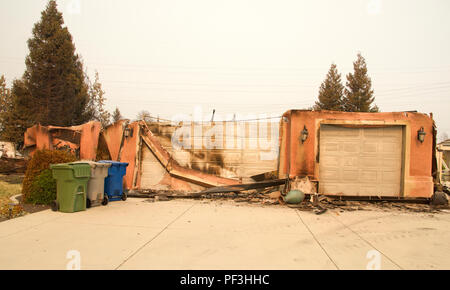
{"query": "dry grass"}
(9, 185)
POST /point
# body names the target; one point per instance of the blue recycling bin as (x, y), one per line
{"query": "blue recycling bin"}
(114, 181)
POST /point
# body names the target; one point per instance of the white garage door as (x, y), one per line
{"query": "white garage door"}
(360, 161)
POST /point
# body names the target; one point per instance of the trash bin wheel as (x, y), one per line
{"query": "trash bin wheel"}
(124, 196)
(55, 205)
(105, 200)
(439, 198)
(88, 203)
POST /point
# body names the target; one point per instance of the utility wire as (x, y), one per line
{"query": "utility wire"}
(243, 120)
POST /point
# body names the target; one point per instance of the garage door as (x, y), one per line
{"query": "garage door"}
(360, 161)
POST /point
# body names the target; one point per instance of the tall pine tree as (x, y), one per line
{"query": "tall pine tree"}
(359, 93)
(331, 92)
(53, 90)
(54, 75)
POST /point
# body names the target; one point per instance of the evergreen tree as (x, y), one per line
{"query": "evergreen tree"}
(116, 116)
(358, 93)
(53, 90)
(331, 92)
(5, 104)
(16, 115)
(54, 76)
(5, 95)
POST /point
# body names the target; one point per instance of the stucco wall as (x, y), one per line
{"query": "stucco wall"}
(197, 152)
(234, 150)
(82, 139)
(297, 159)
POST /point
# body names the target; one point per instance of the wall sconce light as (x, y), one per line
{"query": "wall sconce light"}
(304, 134)
(128, 132)
(421, 135)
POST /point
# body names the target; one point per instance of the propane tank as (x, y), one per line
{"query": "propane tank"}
(294, 197)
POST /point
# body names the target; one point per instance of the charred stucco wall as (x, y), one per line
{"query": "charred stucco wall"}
(297, 159)
(113, 136)
(129, 153)
(236, 150)
(124, 148)
(81, 140)
(150, 165)
(37, 138)
(124, 142)
(154, 176)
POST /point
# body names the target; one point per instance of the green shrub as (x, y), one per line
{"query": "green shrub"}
(38, 164)
(43, 188)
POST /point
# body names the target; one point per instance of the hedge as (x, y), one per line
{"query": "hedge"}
(37, 185)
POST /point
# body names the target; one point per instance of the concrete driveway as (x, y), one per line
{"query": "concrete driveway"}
(194, 234)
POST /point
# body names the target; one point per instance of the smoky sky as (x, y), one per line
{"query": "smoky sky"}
(247, 57)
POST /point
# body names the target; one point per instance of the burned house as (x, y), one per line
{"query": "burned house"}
(8, 150)
(11, 161)
(183, 157)
(443, 162)
(386, 155)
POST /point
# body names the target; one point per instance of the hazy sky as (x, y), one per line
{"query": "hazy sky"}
(248, 57)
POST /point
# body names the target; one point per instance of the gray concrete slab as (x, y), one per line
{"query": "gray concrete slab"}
(191, 234)
(411, 241)
(226, 236)
(345, 248)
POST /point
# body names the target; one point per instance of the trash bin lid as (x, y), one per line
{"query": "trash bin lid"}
(93, 164)
(79, 168)
(60, 166)
(82, 169)
(113, 162)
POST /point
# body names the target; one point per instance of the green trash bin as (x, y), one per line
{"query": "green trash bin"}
(96, 184)
(71, 186)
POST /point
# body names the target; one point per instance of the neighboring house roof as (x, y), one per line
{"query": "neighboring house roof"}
(7, 149)
(445, 143)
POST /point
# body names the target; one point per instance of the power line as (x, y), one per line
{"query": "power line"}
(299, 85)
(214, 90)
(418, 86)
(226, 121)
(413, 94)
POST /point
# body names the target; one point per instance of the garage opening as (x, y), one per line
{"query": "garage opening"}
(361, 161)
(152, 170)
